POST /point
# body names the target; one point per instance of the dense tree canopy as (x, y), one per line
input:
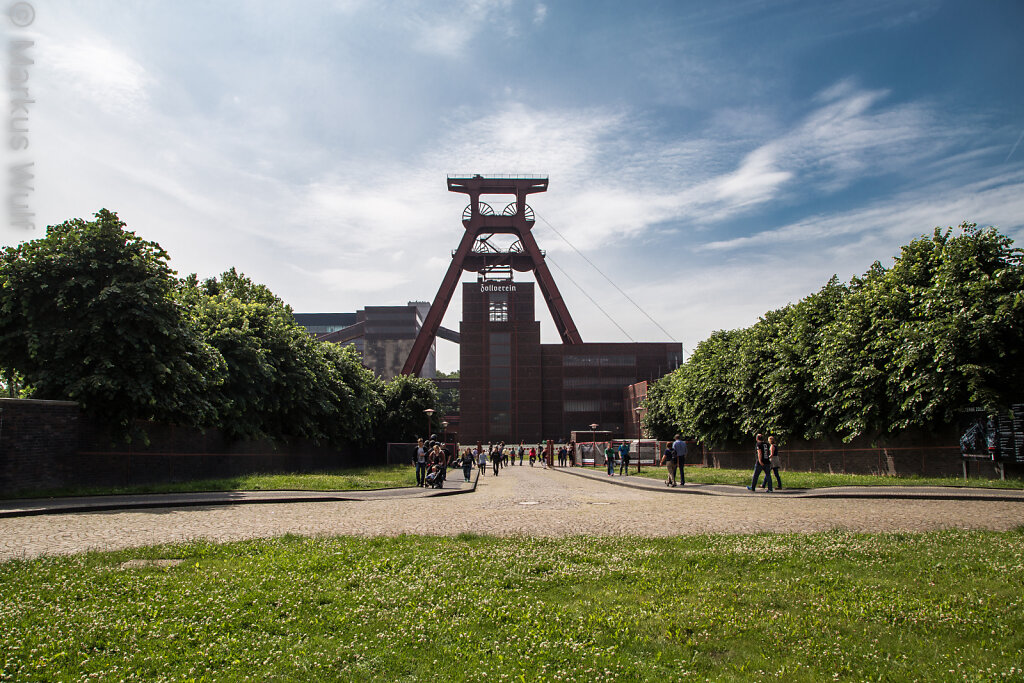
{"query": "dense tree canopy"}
(405, 399)
(279, 382)
(904, 346)
(86, 314)
(93, 313)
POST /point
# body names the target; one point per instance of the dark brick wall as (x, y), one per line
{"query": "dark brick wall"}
(910, 453)
(37, 438)
(50, 444)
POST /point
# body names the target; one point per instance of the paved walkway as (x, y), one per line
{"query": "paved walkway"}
(26, 507)
(521, 501)
(890, 492)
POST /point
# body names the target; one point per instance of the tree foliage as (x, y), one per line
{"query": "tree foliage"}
(280, 382)
(86, 314)
(405, 399)
(898, 347)
(93, 313)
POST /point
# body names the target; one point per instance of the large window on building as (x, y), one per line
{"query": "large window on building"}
(497, 308)
(499, 399)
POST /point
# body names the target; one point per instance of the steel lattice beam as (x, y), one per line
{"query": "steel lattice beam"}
(476, 223)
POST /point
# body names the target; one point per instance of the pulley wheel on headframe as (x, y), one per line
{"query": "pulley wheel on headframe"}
(484, 207)
(511, 209)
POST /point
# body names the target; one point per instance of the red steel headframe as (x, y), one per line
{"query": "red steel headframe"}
(514, 224)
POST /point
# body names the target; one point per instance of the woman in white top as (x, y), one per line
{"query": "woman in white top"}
(481, 456)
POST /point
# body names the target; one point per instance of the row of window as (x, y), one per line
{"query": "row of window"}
(624, 360)
(591, 405)
(596, 382)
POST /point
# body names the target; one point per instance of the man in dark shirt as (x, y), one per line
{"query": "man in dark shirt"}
(420, 460)
(624, 458)
(762, 462)
(679, 446)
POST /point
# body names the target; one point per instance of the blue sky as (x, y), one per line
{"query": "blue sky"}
(715, 160)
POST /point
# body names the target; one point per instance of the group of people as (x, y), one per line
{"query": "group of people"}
(623, 458)
(766, 460)
(500, 456)
(675, 458)
(432, 461)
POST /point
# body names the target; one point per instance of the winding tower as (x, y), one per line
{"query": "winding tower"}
(476, 253)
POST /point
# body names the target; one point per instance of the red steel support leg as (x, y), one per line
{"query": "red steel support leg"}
(421, 347)
(559, 311)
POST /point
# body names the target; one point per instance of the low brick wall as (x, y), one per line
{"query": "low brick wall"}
(38, 439)
(51, 444)
(909, 453)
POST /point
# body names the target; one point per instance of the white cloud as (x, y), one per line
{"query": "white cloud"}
(756, 180)
(356, 279)
(447, 31)
(996, 201)
(96, 71)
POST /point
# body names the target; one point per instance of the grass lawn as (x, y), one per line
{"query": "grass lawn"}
(814, 480)
(834, 606)
(362, 478)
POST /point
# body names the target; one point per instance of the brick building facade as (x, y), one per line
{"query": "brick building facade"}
(513, 388)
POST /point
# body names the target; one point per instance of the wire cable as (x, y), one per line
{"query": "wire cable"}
(629, 298)
(548, 259)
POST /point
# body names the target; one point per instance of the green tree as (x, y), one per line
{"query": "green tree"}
(661, 417)
(280, 382)
(778, 357)
(87, 314)
(402, 419)
(962, 339)
(899, 347)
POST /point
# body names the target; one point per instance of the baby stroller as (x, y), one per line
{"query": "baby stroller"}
(435, 479)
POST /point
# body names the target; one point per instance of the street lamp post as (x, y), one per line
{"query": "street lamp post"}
(593, 443)
(429, 412)
(639, 436)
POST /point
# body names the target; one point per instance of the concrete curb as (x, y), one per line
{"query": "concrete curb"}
(61, 506)
(847, 492)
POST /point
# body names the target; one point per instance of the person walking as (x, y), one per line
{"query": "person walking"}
(624, 458)
(420, 460)
(609, 459)
(773, 462)
(669, 458)
(482, 459)
(761, 464)
(533, 456)
(495, 461)
(467, 464)
(522, 452)
(440, 459)
(680, 448)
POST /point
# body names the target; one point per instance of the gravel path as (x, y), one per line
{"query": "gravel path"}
(521, 501)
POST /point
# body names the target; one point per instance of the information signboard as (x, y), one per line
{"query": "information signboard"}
(1017, 413)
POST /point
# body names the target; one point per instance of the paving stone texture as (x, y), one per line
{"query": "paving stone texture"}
(521, 501)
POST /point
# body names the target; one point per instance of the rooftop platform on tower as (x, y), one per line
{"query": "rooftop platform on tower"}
(477, 184)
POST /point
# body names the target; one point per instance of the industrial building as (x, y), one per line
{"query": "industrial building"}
(383, 335)
(512, 387)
